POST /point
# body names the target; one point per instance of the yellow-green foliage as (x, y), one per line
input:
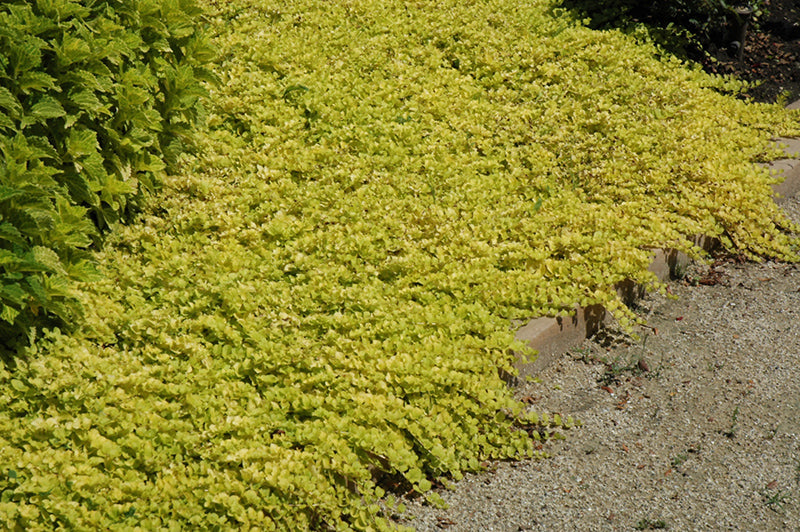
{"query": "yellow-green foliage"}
(326, 291)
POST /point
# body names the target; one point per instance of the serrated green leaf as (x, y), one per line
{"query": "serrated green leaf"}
(23, 220)
(34, 287)
(8, 257)
(35, 81)
(113, 188)
(43, 218)
(87, 81)
(47, 107)
(71, 119)
(84, 271)
(148, 163)
(40, 148)
(48, 258)
(71, 50)
(25, 55)
(9, 233)
(81, 142)
(5, 122)
(88, 101)
(92, 165)
(79, 188)
(9, 102)
(9, 192)
(12, 292)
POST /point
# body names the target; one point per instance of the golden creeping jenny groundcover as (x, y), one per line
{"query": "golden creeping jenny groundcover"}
(325, 291)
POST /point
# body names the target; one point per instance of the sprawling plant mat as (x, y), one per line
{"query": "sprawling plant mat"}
(324, 296)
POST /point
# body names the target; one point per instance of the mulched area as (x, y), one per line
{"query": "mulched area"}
(771, 55)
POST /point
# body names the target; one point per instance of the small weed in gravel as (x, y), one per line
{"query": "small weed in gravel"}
(776, 500)
(678, 460)
(647, 524)
(731, 432)
(633, 364)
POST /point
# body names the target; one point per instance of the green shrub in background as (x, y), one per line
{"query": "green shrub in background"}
(95, 97)
(678, 23)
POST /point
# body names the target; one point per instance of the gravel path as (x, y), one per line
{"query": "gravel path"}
(702, 434)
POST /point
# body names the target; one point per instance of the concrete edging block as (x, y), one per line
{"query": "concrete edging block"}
(789, 168)
(552, 337)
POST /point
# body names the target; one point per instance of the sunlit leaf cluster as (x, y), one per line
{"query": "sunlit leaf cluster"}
(319, 304)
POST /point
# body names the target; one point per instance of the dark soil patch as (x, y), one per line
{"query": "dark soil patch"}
(771, 56)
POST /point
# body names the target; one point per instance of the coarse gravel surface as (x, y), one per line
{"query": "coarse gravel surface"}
(694, 425)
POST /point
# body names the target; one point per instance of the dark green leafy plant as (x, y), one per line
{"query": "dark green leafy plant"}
(95, 98)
